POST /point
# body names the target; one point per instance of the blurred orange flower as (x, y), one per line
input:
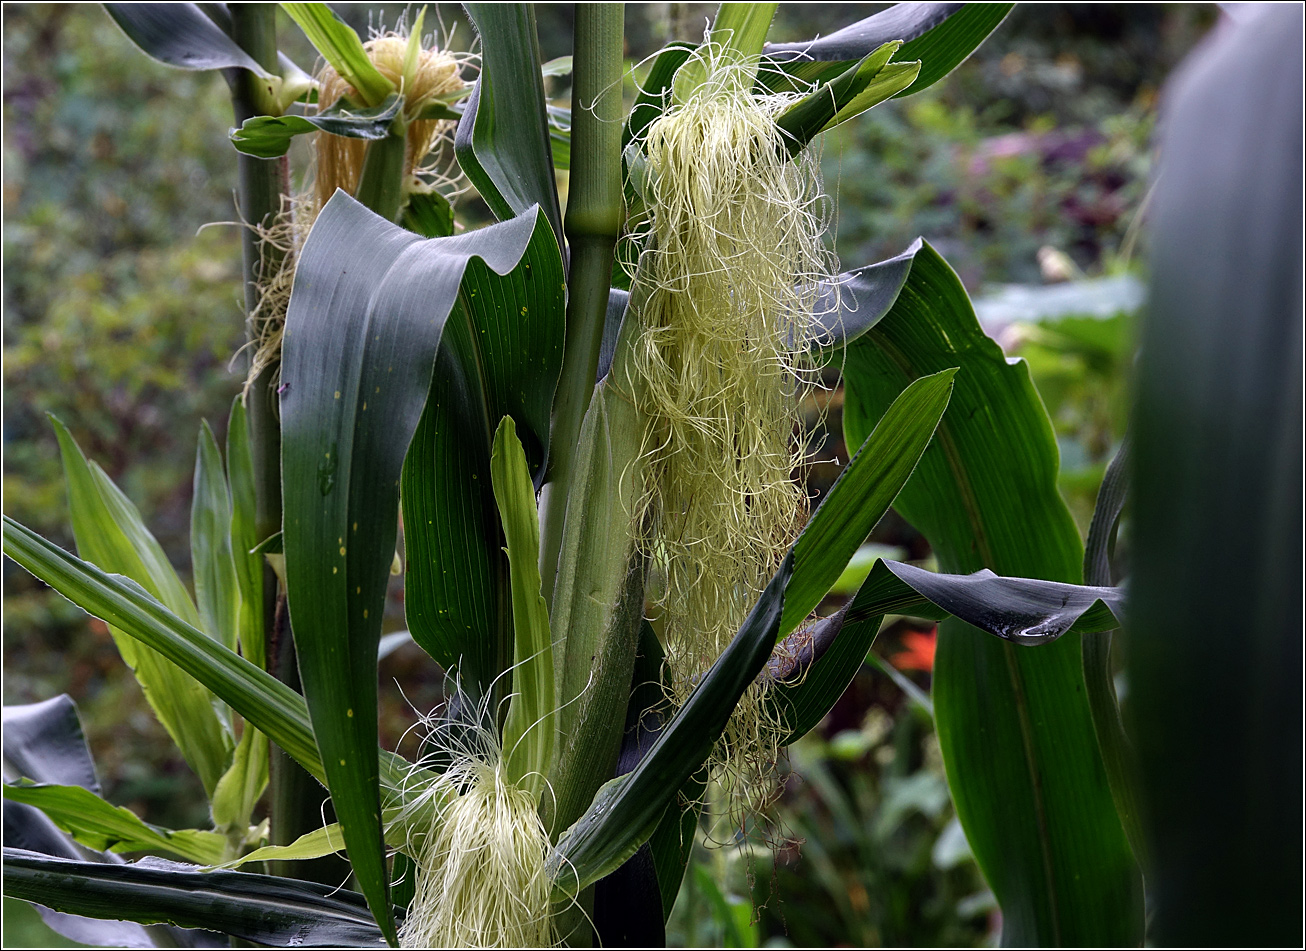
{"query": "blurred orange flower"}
(918, 652)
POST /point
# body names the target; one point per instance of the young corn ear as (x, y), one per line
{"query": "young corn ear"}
(725, 294)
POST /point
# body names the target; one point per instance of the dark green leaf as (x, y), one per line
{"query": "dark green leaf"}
(179, 34)
(1215, 638)
(273, 911)
(269, 136)
(502, 142)
(865, 490)
(1014, 724)
(1023, 610)
(1118, 756)
(626, 811)
(369, 310)
(650, 101)
(44, 742)
(939, 35)
(859, 87)
(866, 295)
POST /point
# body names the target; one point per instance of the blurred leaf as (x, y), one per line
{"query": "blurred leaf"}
(269, 910)
(502, 141)
(179, 34)
(342, 49)
(110, 533)
(107, 828)
(1215, 638)
(269, 136)
(1014, 725)
(528, 729)
(368, 315)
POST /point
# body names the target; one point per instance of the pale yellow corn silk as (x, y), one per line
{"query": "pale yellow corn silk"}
(727, 294)
(479, 849)
(340, 159)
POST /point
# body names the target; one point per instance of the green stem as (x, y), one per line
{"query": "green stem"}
(592, 225)
(381, 184)
(295, 797)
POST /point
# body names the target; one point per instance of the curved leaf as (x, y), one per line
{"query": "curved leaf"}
(865, 296)
(857, 89)
(273, 911)
(109, 532)
(269, 136)
(341, 47)
(179, 34)
(939, 35)
(863, 493)
(1215, 640)
(253, 693)
(367, 314)
(104, 827)
(503, 142)
(627, 810)
(1014, 725)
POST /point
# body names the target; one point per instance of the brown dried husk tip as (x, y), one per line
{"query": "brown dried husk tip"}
(726, 294)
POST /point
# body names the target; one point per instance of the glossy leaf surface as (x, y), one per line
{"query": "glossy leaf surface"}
(179, 34)
(273, 911)
(503, 143)
(367, 315)
(270, 136)
(1014, 724)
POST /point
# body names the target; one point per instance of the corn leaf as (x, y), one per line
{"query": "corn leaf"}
(939, 35)
(107, 828)
(368, 314)
(503, 141)
(737, 34)
(1014, 725)
(341, 47)
(260, 908)
(863, 493)
(1215, 638)
(256, 695)
(269, 136)
(244, 536)
(110, 533)
(179, 34)
(217, 590)
(858, 88)
(626, 811)
(528, 730)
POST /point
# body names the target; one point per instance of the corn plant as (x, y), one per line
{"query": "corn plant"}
(585, 421)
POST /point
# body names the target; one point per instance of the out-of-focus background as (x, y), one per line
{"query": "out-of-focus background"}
(1027, 168)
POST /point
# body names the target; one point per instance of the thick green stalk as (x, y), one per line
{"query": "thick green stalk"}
(592, 225)
(295, 797)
